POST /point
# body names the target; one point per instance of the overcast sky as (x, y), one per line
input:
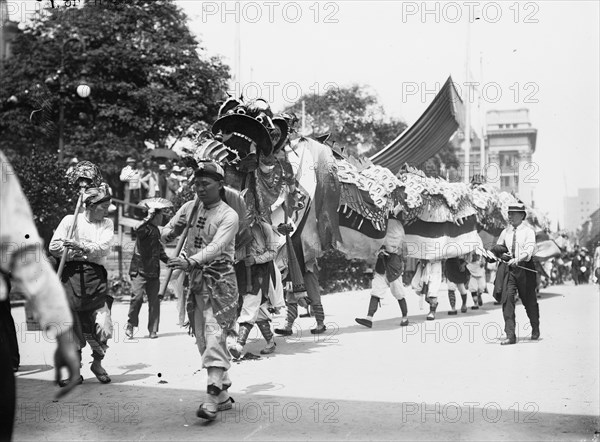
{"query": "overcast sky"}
(537, 55)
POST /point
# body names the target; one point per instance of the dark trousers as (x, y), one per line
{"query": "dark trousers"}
(7, 387)
(508, 308)
(141, 285)
(9, 333)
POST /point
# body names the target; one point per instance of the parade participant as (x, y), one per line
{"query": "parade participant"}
(457, 275)
(84, 277)
(22, 266)
(144, 269)
(388, 274)
(212, 303)
(264, 290)
(427, 281)
(477, 285)
(515, 276)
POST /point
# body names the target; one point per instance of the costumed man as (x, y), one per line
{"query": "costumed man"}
(516, 275)
(264, 291)
(388, 274)
(144, 269)
(458, 276)
(310, 275)
(84, 277)
(130, 175)
(477, 285)
(427, 281)
(20, 250)
(213, 297)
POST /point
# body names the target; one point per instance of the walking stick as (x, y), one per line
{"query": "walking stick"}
(180, 243)
(63, 258)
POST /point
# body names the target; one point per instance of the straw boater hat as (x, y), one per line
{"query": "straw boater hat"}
(517, 208)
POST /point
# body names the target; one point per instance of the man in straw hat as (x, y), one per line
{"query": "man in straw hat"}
(515, 247)
(144, 269)
(213, 298)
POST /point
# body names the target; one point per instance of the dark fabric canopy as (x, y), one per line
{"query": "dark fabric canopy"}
(428, 134)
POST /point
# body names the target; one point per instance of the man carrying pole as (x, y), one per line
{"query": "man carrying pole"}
(516, 275)
(212, 303)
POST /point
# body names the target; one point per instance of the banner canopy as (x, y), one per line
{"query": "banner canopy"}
(428, 135)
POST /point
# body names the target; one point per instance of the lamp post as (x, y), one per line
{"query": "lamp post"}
(83, 91)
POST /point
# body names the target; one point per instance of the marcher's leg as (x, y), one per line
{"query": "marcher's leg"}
(533, 313)
(211, 340)
(88, 325)
(265, 330)
(138, 288)
(433, 303)
(475, 305)
(292, 314)
(508, 311)
(311, 282)
(452, 300)
(152, 289)
(379, 287)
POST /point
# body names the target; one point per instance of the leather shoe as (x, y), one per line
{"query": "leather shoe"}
(364, 322)
(535, 335)
(508, 341)
(284, 331)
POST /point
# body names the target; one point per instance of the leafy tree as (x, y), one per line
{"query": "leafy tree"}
(150, 80)
(353, 117)
(46, 187)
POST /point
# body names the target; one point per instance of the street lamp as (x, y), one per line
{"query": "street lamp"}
(83, 91)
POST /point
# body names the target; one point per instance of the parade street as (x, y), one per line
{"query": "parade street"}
(447, 379)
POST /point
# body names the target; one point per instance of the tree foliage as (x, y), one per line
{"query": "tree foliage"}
(149, 81)
(353, 117)
(47, 190)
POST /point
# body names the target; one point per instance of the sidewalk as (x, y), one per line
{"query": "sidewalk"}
(447, 379)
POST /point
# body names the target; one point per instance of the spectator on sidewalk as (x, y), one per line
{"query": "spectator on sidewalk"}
(130, 175)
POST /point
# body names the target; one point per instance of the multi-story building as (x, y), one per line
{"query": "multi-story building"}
(511, 142)
(579, 208)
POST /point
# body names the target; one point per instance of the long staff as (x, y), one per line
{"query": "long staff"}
(180, 243)
(63, 258)
(493, 257)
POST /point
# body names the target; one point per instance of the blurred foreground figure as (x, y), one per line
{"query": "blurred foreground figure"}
(22, 262)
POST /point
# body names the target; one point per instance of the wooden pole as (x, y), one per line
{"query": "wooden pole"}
(180, 243)
(63, 258)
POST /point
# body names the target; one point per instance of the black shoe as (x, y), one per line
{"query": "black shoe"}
(318, 330)
(508, 341)
(364, 322)
(535, 335)
(474, 307)
(64, 382)
(452, 312)
(284, 331)
(404, 323)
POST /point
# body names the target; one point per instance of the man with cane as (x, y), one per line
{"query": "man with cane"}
(516, 275)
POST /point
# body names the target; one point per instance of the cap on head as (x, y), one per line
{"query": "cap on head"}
(210, 169)
(130, 160)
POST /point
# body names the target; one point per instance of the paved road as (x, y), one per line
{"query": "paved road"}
(447, 379)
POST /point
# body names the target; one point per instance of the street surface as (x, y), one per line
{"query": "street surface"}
(447, 379)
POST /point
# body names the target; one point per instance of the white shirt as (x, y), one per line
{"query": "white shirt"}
(525, 245)
(94, 236)
(131, 176)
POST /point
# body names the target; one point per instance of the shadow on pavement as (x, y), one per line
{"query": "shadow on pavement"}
(162, 413)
